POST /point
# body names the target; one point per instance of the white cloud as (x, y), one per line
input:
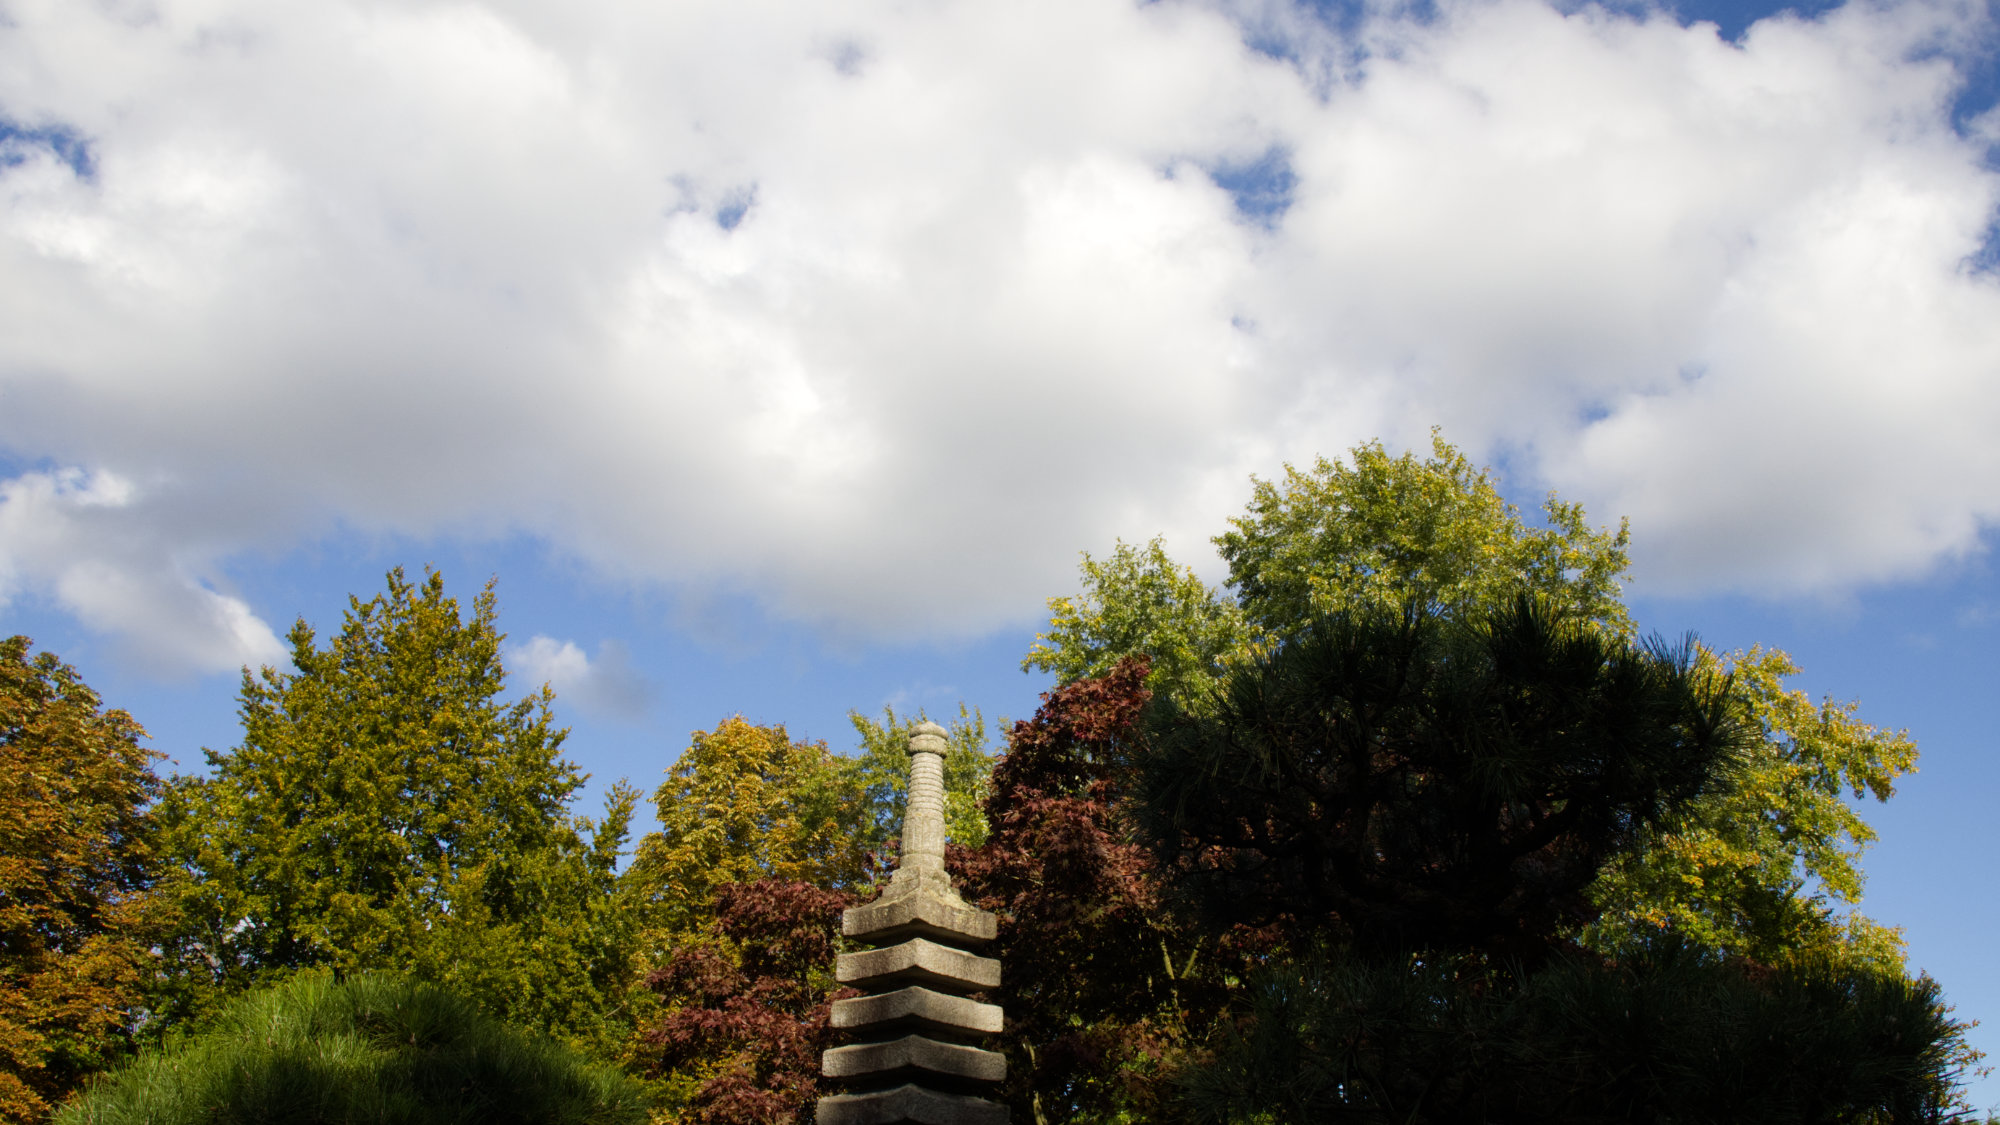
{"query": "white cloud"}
(606, 686)
(458, 268)
(90, 542)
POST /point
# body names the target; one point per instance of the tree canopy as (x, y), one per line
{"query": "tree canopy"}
(1376, 530)
(742, 803)
(76, 869)
(388, 810)
(1402, 782)
(883, 769)
(1758, 866)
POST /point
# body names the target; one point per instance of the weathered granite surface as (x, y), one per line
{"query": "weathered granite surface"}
(919, 1009)
(920, 914)
(918, 961)
(914, 1052)
(912, 1104)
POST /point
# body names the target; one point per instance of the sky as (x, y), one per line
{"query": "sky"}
(781, 359)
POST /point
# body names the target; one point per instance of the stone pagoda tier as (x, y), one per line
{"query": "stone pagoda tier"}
(914, 1053)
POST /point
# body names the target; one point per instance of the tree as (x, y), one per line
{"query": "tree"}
(1382, 531)
(1379, 532)
(744, 803)
(1764, 864)
(76, 869)
(1669, 1033)
(1401, 782)
(1141, 601)
(744, 1009)
(373, 1047)
(387, 810)
(1106, 992)
(1423, 804)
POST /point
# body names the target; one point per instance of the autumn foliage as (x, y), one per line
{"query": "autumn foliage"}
(75, 867)
(747, 1006)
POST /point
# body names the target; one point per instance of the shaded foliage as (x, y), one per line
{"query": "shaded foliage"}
(76, 866)
(1104, 992)
(1404, 781)
(1670, 1033)
(377, 1048)
(745, 1011)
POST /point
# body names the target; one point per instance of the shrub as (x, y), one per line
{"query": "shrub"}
(379, 1049)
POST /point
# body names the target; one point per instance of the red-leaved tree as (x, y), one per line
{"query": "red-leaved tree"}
(747, 1010)
(1106, 992)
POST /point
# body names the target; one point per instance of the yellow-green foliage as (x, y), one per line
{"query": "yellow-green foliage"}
(388, 810)
(1374, 530)
(1764, 867)
(1140, 600)
(745, 802)
(1380, 530)
(883, 768)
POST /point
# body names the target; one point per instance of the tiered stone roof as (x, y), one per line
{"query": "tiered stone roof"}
(916, 1054)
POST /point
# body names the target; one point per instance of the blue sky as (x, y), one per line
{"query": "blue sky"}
(782, 365)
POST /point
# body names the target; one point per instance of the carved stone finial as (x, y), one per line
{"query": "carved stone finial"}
(928, 738)
(920, 866)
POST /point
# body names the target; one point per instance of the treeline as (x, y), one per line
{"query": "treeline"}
(1405, 823)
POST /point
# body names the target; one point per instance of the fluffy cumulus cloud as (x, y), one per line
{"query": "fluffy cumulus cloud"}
(879, 313)
(607, 686)
(92, 543)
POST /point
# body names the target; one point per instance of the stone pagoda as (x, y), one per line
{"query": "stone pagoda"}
(913, 1053)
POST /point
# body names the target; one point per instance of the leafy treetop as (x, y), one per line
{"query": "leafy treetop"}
(743, 803)
(883, 769)
(76, 868)
(387, 810)
(1380, 531)
(1754, 868)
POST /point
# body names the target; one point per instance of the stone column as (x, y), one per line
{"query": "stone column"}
(920, 865)
(915, 1056)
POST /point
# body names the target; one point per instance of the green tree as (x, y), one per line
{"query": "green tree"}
(76, 868)
(1380, 531)
(1400, 782)
(1140, 601)
(1767, 864)
(387, 810)
(883, 770)
(373, 1047)
(1770, 866)
(743, 803)
(1422, 805)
